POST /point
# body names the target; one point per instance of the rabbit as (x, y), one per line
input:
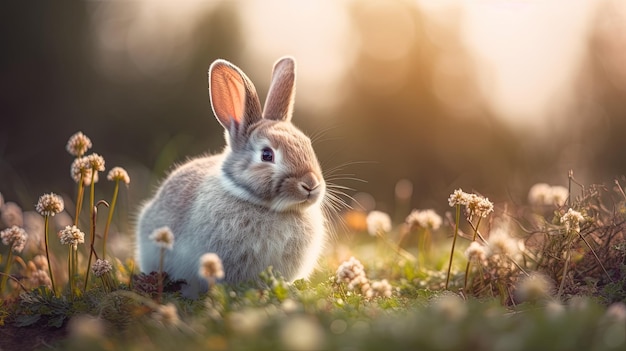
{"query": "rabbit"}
(258, 203)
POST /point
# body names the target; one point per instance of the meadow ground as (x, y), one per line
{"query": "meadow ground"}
(548, 274)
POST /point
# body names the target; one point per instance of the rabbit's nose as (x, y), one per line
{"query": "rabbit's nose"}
(309, 182)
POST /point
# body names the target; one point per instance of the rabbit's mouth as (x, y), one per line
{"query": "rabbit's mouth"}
(299, 194)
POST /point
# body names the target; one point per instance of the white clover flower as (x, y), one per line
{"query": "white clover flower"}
(12, 214)
(72, 236)
(501, 243)
(78, 144)
(101, 267)
(459, 197)
(211, 267)
(163, 237)
(14, 237)
(49, 204)
(572, 220)
(350, 270)
(424, 219)
(381, 288)
(118, 174)
(96, 162)
(478, 206)
(377, 222)
(476, 252)
(533, 287)
(542, 194)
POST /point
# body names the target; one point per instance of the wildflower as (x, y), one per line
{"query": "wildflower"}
(81, 168)
(350, 270)
(101, 267)
(78, 144)
(459, 197)
(544, 194)
(163, 237)
(478, 206)
(377, 222)
(39, 278)
(71, 235)
(12, 214)
(211, 267)
(533, 287)
(476, 252)
(40, 262)
(381, 288)
(559, 195)
(14, 237)
(117, 174)
(572, 220)
(49, 204)
(501, 243)
(96, 162)
(167, 314)
(424, 219)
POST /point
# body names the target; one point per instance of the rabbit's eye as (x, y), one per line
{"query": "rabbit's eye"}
(267, 155)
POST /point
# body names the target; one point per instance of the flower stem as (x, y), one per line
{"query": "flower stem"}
(79, 199)
(467, 268)
(109, 219)
(46, 225)
(160, 287)
(565, 267)
(7, 269)
(92, 232)
(70, 274)
(456, 233)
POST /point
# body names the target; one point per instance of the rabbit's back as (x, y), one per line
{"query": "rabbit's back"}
(171, 206)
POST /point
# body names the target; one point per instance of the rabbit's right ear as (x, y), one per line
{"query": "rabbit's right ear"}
(234, 100)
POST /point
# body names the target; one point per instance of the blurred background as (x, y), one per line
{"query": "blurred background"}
(490, 96)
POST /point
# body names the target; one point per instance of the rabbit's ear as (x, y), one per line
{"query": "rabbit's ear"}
(279, 103)
(234, 99)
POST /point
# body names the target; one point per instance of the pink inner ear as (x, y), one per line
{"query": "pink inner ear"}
(228, 94)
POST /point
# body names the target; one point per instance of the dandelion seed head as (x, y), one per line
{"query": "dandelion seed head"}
(424, 219)
(211, 267)
(101, 267)
(78, 144)
(377, 222)
(14, 237)
(572, 220)
(118, 174)
(72, 236)
(163, 237)
(49, 204)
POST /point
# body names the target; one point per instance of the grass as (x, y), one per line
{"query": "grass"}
(548, 275)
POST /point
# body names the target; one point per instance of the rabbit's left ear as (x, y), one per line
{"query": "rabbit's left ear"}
(280, 98)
